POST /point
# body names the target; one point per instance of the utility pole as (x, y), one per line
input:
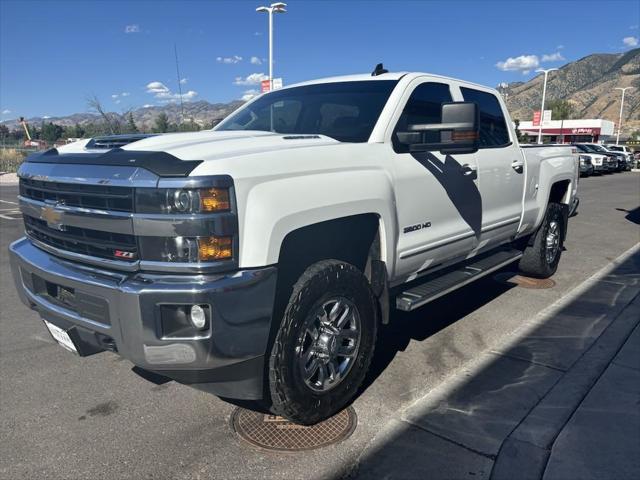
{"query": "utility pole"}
(277, 7)
(621, 107)
(544, 93)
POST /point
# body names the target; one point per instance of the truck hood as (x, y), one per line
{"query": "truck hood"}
(210, 145)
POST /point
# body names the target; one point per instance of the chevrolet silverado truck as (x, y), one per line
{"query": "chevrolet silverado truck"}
(257, 260)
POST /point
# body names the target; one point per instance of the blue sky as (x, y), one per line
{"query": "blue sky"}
(54, 54)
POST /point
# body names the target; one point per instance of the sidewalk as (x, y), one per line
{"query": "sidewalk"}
(560, 401)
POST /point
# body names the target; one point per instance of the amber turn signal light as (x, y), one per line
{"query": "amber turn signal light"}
(214, 248)
(214, 200)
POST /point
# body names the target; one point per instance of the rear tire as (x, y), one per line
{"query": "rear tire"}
(325, 343)
(541, 258)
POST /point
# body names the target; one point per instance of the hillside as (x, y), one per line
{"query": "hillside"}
(202, 112)
(588, 83)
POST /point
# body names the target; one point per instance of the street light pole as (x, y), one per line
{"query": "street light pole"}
(621, 107)
(544, 94)
(277, 7)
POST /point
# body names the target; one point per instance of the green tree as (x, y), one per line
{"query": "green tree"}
(4, 133)
(131, 124)
(162, 124)
(561, 110)
(51, 132)
(516, 122)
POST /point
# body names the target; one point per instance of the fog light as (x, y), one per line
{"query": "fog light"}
(198, 317)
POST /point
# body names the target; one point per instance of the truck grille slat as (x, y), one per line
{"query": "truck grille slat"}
(103, 197)
(82, 240)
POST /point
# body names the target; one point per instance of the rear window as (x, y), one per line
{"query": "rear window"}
(493, 126)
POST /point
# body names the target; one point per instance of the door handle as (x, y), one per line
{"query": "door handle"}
(468, 169)
(517, 165)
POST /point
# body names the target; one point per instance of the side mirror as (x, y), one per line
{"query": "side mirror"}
(458, 133)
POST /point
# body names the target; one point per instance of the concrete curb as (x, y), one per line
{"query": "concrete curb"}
(525, 452)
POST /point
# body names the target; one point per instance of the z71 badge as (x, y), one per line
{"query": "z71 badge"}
(418, 226)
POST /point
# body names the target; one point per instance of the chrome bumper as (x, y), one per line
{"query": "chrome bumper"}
(121, 310)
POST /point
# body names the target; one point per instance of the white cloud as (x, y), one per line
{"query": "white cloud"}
(183, 81)
(630, 41)
(559, 47)
(115, 95)
(163, 93)
(249, 94)
(553, 57)
(256, 61)
(6, 112)
(46, 116)
(132, 28)
(253, 79)
(229, 60)
(147, 105)
(257, 34)
(523, 63)
(125, 94)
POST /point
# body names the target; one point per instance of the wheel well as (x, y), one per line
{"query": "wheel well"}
(559, 192)
(349, 239)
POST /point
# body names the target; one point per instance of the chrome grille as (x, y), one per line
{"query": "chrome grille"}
(108, 245)
(103, 197)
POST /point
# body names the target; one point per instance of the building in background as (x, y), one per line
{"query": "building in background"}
(573, 131)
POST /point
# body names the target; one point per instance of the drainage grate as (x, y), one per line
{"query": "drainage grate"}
(275, 433)
(512, 278)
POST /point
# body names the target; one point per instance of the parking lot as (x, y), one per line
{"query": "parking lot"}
(66, 417)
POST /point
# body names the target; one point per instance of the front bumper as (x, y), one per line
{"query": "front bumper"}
(120, 312)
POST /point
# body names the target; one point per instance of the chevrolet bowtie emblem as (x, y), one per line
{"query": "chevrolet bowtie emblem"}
(53, 217)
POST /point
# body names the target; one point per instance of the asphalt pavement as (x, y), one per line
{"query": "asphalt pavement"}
(67, 417)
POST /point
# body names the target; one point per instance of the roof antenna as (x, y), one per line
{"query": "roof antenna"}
(379, 70)
(175, 50)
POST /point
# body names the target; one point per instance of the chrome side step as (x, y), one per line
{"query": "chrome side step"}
(440, 284)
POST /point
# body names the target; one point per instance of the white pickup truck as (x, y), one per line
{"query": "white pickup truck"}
(256, 261)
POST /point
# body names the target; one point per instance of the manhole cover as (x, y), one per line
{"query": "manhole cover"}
(276, 433)
(524, 282)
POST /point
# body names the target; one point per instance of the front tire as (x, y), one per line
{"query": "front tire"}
(325, 343)
(542, 257)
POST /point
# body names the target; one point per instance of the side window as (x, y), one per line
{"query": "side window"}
(493, 127)
(423, 107)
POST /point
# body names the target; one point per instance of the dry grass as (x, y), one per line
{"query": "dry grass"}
(10, 159)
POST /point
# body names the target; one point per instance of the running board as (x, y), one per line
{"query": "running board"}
(438, 285)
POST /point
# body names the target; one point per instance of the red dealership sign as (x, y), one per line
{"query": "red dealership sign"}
(536, 118)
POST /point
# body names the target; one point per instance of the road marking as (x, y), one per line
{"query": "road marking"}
(5, 214)
(7, 201)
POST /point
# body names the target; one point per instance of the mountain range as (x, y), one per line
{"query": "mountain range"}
(589, 84)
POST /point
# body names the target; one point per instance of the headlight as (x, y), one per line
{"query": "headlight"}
(186, 249)
(182, 200)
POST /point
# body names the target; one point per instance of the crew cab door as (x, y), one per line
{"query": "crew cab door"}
(501, 170)
(437, 199)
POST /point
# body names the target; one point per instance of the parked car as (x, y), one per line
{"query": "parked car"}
(600, 162)
(257, 260)
(624, 152)
(586, 167)
(617, 161)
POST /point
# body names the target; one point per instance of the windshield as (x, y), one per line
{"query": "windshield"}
(587, 148)
(615, 149)
(599, 148)
(345, 111)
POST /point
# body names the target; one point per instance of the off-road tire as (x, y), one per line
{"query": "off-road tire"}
(291, 398)
(534, 260)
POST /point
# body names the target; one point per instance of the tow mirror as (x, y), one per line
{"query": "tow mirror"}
(458, 132)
